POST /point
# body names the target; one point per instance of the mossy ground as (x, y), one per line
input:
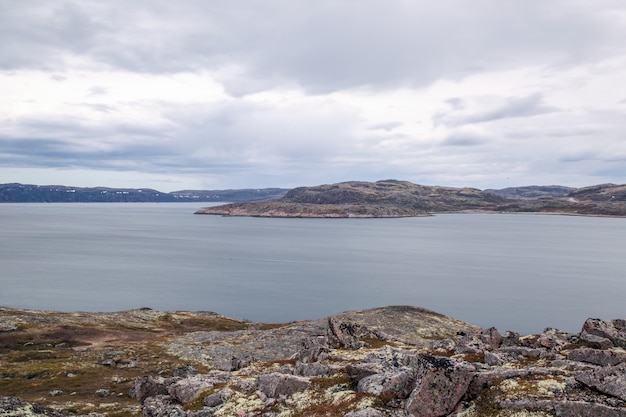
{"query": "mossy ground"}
(82, 365)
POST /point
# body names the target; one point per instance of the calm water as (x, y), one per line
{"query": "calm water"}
(518, 272)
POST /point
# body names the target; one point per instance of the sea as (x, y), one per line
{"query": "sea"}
(519, 272)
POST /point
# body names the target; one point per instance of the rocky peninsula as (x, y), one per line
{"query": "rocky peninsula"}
(396, 361)
(392, 198)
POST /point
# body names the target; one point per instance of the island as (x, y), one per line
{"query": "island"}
(393, 198)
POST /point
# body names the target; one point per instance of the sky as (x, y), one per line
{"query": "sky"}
(203, 94)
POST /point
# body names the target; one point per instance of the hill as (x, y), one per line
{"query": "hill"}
(392, 198)
(28, 193)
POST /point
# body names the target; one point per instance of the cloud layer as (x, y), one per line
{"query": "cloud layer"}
(211, 94)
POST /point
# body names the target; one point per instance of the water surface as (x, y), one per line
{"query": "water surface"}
(518, 272)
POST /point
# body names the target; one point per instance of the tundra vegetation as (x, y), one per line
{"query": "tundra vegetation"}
(396, 361)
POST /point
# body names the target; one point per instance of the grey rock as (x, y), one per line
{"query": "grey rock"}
(614, 330)
(366, 412)
(398, 384)
(405, 324)
(348, 334)
(596, 342)
(565, 408)
(12, 406)
(203, 412)
(479, 341)
(188, 389)
(103, 392)
(601, 357)
(7, 327)
(56, 392)
(148, 386)
(162, 406)
(276, 384)
(358, 371)
(610, 380)
(440, 384)
(555, 339)
(313, 369)
(510, 339)
(185, 371)
(485, 379)
(234, 350)
(218, 398)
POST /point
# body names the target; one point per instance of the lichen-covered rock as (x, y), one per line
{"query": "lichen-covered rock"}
(162, 406)
(16, 407)
(398, 384)
(564, 408)
(149, 386)
(479, 341)
(348, 334)
(188, 389)
(276, 384)
(234, 350)
(366, 412)
(440, 384)
(555, 339)
(602, 357)
(614, 330)
(218, 398)
(315, 369)
(406, 324)
(610, 380)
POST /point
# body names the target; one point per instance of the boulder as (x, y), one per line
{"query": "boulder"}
(315, 369)
(440, 384)
(398, 384)
(479, 341)
(602, 357)
(188, 389)
(276, 384)
(596, 342)
(148, 386)
(218, 398)
(614, 330)
(348, 334)
(610, 380)
(555, 339)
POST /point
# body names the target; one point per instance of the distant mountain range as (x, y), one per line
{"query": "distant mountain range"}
(27, 193)
(392, 198)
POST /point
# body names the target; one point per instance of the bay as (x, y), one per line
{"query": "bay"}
(515, 272)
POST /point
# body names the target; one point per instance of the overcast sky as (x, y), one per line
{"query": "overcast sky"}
(195, 94)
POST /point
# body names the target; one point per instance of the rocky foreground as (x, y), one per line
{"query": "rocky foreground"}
(391, 361)
(392, 198)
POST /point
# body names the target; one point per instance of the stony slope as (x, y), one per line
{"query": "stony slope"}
(391, 198)
(397, 361)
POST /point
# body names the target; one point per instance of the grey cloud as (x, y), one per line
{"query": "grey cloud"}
(97, 91)
(322, 46)
(510, 107)
(464, 139)
(389, 126)
(36, 34)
